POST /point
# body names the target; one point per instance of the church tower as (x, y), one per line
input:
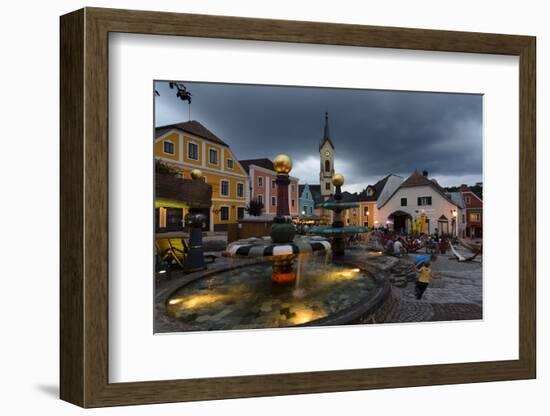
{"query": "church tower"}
(326, 156)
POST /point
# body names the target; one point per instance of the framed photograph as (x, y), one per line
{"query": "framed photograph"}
(255, 207)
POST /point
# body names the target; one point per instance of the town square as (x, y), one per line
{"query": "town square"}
(288, 207)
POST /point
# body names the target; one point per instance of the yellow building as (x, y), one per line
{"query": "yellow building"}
(190, 145)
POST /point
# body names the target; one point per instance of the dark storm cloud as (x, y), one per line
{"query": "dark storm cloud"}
(374, 132)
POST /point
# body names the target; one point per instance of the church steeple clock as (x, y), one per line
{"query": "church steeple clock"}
(326, 156)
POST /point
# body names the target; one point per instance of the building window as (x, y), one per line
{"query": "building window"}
(327, 165)
(224, 188)
(240, 190)
(260, 181)
(468, 199)
(230, 163)
(475, 216)
(370, 192)
(169, 148)
(292, 188)
(273, 201)
(424, 200)
(404, 202)
(224, 213)
(366, 210)
(292, 203)
(273, 184)
(213, 156)
(327, 186)
(193, 151)
(355, 212)
(260, 199)
(240, 213)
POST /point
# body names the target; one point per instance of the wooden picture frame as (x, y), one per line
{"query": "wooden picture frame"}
(84, 207)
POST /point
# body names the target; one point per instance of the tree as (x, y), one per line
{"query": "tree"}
(254, 208)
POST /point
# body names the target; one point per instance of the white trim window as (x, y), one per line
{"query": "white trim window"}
(168, 148)
(240, 189)
(224, 187)
(213, 156)
(229, 163)
(260, 181)
(193, 151)
(260, 199)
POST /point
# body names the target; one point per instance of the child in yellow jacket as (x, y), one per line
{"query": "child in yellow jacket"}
(423, 280)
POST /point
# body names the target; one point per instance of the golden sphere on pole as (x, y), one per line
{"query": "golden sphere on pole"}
(338, 179)
(282, 164)
(196, 174)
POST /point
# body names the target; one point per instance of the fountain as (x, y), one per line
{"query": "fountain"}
(282, 246)
(277, 281)
(338, 231)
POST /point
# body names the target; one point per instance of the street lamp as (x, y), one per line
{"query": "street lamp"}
(455, 215)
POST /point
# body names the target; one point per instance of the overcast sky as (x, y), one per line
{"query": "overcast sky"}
(374, 132)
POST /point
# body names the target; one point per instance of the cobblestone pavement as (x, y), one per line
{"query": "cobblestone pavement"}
(455, 293)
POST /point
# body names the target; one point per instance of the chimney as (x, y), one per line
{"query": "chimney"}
(425, 173)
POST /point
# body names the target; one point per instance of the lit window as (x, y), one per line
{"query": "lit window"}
(168, 148)
(224, 189)
(213, 156)
(193, 151)
(366, 210)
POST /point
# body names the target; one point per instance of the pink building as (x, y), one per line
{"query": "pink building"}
(263, 187)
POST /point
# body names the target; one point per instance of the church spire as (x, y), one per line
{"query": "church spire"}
(326, 134)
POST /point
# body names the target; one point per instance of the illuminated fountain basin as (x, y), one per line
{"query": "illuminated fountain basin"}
(324, 293)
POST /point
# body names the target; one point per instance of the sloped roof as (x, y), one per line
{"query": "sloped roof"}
(378, 187)
(263, 163)
(191, 127)
(417, 179)
(196, 193)
(458, 198)
(316, 193)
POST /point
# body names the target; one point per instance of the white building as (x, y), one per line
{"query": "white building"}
(419, 195)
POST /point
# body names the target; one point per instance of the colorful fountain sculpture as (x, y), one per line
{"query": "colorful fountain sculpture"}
(338, 231)
(283, 245)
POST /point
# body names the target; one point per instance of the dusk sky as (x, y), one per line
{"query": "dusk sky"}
(374, 132)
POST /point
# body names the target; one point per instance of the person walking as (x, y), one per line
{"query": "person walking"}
(424, 276)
